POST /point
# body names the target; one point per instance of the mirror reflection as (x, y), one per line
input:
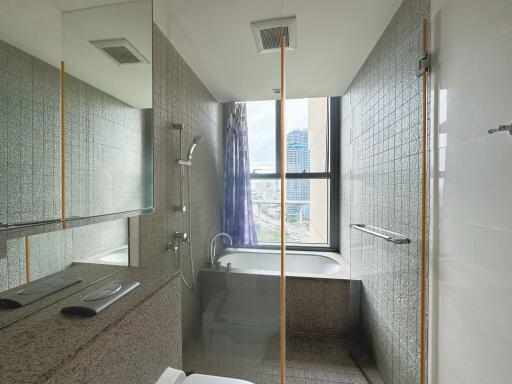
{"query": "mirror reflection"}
(99, 162)
(107, 53)
(47, 258)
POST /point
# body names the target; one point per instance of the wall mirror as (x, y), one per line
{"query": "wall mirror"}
(66, 190)
(107, 55)
(84, 255)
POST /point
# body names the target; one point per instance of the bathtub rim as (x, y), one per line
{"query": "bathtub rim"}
(343, 262)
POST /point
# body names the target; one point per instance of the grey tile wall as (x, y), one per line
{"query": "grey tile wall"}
(29, 138)
(105, 139)
(105, 164)
(105, 153)
(12, 264)
(180, 97)
(381, 177)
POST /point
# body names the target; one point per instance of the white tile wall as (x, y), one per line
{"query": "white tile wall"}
(472, 242)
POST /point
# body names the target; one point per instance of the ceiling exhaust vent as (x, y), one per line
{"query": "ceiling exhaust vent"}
(267, 34)
(121, 51)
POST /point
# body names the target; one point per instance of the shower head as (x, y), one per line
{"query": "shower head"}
(196, 140)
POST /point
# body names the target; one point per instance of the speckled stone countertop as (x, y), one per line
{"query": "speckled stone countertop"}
(89, 273)
(48, 346)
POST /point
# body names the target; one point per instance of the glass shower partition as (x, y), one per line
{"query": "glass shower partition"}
(240, 316)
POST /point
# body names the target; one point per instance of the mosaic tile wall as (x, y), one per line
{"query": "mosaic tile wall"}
(12, 263)
(180, 97)
(381, 185)
(29, 138)
(104, 164)
(104, 146)
(105, 139)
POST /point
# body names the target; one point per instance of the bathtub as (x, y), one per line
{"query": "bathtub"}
(297, 263)
(241, 308)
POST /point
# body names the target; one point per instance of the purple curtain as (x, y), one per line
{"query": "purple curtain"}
(237, 216)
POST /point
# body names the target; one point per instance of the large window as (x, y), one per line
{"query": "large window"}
(311, 170)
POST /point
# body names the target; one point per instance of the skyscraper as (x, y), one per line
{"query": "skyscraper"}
(297, 157)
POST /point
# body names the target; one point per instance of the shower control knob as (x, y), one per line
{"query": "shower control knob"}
(181, 236)
(181, 208)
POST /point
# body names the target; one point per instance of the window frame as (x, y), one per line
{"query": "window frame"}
(332, 175)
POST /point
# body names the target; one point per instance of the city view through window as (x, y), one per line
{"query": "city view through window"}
(306, 152)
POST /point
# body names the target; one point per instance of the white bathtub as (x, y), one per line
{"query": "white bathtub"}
(297, 263)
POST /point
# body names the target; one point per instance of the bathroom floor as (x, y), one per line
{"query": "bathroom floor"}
(310, 359)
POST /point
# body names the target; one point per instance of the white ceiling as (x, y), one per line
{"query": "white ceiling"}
(334, 37)
(215, 38)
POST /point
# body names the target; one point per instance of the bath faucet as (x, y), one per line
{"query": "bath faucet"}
(213, 246)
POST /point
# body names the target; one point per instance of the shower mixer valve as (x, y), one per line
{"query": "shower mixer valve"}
(178, 238)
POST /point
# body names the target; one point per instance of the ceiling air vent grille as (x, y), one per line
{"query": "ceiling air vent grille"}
(271, 37)
(121, 51)
(267, 34)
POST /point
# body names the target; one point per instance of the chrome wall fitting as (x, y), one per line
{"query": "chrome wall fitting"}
(501, 128)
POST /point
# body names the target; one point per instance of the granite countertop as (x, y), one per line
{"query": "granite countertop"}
(42, 343)
(89, 273)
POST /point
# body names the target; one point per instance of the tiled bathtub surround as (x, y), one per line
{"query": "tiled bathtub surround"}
(381, 185)
(318, 306)
(180, 97)
(313, 305)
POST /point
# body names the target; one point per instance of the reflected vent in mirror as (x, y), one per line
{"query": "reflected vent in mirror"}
(121, 51)
(267, 34)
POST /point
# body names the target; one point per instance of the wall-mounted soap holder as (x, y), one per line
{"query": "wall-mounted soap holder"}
(36, 290)
(96, 301)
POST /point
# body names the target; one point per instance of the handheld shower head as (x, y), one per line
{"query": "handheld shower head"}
(196, 140)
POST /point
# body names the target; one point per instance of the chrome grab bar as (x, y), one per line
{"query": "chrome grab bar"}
(400, 239)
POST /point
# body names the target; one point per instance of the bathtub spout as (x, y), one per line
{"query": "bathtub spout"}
(213, 246)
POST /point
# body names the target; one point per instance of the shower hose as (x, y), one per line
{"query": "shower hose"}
(192, 284)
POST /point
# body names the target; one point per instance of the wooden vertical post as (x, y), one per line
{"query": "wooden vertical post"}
(62, 146)
(283, 210)
(27, 259)
(423, 209)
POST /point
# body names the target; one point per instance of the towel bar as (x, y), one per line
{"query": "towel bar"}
(399, 239)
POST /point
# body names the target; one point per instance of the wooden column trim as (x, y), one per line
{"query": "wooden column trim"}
(422, 346)
(282, 218)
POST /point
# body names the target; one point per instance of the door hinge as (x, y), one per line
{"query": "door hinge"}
(423, 65)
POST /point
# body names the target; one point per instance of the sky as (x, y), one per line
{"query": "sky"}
(261, 122)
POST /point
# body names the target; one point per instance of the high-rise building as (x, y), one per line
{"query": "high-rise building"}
(297, 158)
